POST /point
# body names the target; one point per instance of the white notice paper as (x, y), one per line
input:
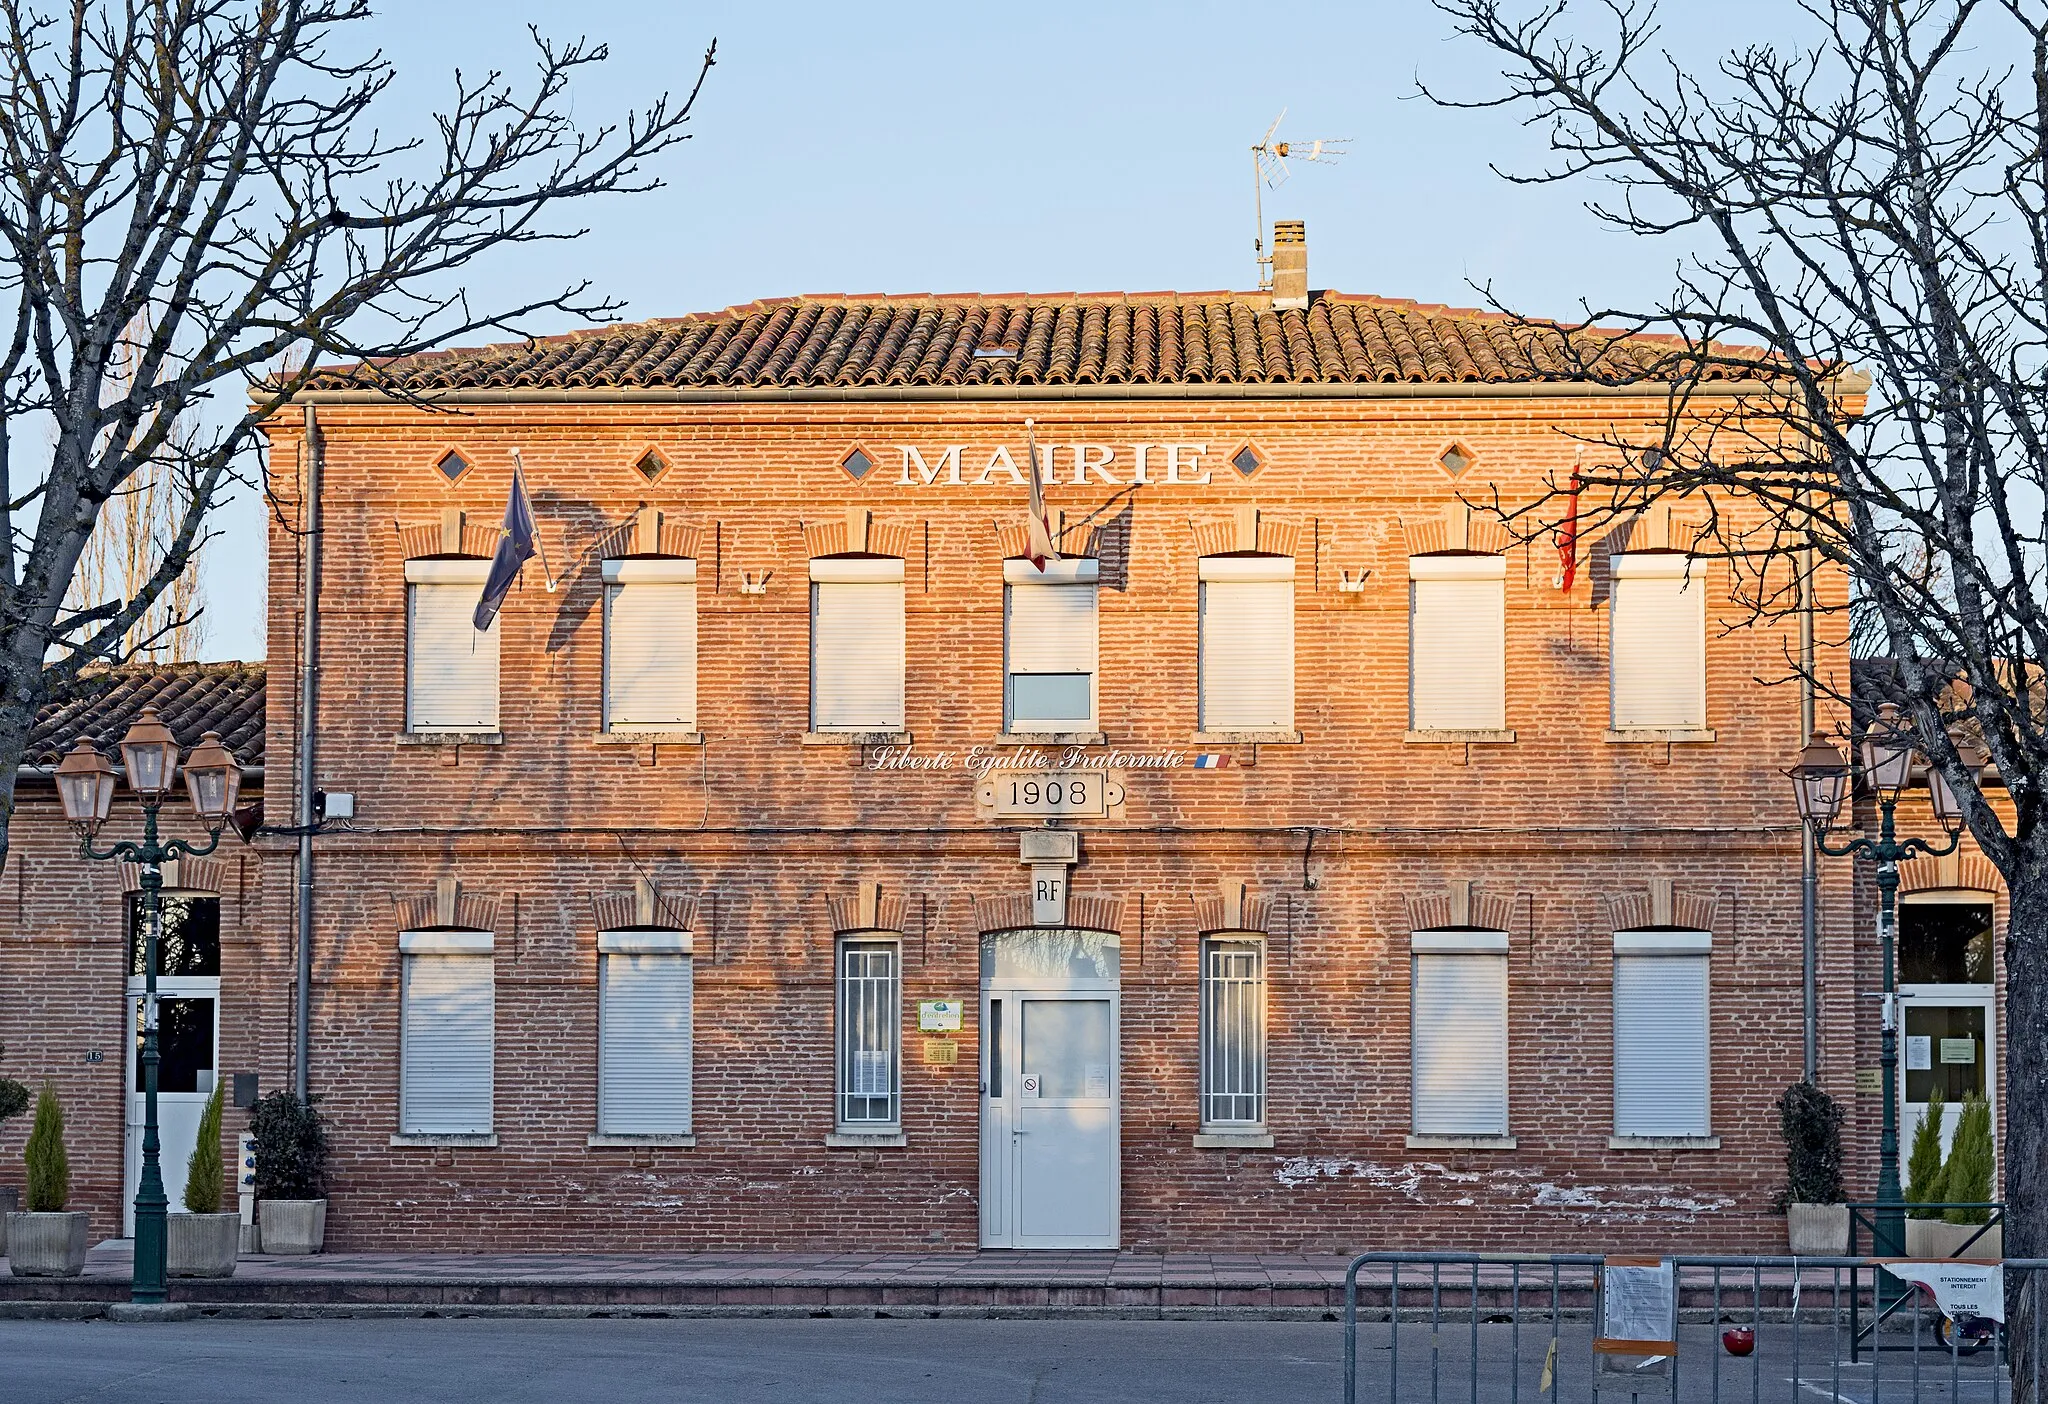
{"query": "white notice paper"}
(1919, 1052)
(1095, 1080)
(1959, 1050)
(870, 1074)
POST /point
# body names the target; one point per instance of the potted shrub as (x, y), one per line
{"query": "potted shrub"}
(291, 1173)
(203, 1240)
(1816, 1219)
(1926, 1182)
(45, 1241)
(1971, 1177)
(14, 1100)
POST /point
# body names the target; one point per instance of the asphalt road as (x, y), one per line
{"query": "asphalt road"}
(854, 1361)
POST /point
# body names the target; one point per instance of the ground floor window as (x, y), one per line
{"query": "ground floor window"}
(1233, 1032)
(869, 993)
(1459, 1033)
(1660, 1033)
(448, 1000)
(645, 1010)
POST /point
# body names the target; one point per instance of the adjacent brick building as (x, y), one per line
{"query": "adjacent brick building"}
(1291, 863)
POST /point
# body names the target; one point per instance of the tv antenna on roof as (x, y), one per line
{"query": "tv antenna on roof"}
(1269, 167)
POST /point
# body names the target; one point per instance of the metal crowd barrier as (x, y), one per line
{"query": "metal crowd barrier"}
(1505, 1328)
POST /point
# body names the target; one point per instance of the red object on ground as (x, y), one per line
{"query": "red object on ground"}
(1739, 1340)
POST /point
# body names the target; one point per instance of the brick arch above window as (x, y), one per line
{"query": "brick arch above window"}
(1246, 530)
(448, 907)
(867, 908)
(200, 877)
(649, 532)
(1085, 912)
(645, 908)
(1661, 906)
(1971, 872)
(1460, 906)
(1456, 528)
(857, 533)
(1234, 907)
(453, 535)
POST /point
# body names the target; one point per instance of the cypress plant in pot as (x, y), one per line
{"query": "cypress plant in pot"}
(1972, 1178)
(1816, 1218)
(14, 1100)
(203, 1240)
(1926, 1182)
(44, 1240)
(291, 1173)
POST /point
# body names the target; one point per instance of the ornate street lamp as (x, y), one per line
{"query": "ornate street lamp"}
(85, 784)
(1819, 781)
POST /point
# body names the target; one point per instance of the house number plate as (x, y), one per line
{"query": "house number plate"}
(1049, 794)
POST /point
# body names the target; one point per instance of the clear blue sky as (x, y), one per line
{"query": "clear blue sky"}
(954, 147)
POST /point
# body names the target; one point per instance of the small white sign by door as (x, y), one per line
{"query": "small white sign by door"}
(1028, 1085)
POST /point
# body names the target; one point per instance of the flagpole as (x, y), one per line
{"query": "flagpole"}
(519, 467)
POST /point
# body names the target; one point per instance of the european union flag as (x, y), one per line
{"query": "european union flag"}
(515, 549)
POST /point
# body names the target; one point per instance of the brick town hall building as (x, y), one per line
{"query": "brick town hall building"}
(1291, 863)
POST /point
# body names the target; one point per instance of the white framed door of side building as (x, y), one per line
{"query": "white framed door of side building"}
(1051, 1141)
(188, 1041)
(1948, 1010)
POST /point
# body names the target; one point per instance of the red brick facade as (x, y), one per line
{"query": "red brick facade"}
(1340, 840)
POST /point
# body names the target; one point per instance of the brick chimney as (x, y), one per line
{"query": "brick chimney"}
(1290, 263)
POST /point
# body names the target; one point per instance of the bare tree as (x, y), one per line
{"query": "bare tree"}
(1872, 198)
(197, 213)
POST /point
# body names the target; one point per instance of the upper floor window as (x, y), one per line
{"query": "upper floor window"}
(1659, 630)
(856, 643)
(1049, 646)
(1457, 642)
(650, 644)
(1247, 643)
(451, 667)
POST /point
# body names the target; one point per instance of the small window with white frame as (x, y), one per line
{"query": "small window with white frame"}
(650, 645)
(869, 1034)
(451, 666)
(1457, 642)
(1050, 646)
(1233, 1031)
(856, 644)
(1247, 643)
(446, 1038)
(1657, 671)
(1660, 1034)
(1458, 1033)
(645, 1062)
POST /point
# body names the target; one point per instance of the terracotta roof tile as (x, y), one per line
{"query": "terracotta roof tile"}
(1056, 339)
(193, 698)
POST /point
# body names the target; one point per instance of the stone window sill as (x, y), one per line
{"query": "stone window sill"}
(648, 738)
(487, 1141)
(865, 1140)
(450, 738)
(1432, 736)
(1278, 735)
(1627, 735)
(1461, 1143)
(856, 738)
(596, 1141)
(1233, 1140)
(1052, 738)
(1663, 1143)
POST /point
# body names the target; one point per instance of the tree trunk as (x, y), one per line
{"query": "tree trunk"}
(2026, 1123)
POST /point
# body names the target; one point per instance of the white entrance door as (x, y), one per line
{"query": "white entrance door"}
(1947, 1044)
(188, 1040)
(1050, 1139)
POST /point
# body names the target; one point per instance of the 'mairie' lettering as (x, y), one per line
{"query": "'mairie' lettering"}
(1083, 464)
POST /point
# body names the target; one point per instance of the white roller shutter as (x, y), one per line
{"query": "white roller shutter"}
(1459, 1040)
(1660, 1045)
(644, 1066)
(1247, 643)
(451, 669)
(650, 646)
(1457, 643)
(1659, 630)
(1049, 651)
(857, 646)
(446, 1055)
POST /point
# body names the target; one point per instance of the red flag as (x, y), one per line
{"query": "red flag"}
(1037, 521)
(1568, 538)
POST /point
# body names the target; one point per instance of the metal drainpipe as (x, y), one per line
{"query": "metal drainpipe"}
(309, 694)
(1809, 871)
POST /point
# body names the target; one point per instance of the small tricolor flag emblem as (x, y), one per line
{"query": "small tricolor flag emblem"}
(1212, 760)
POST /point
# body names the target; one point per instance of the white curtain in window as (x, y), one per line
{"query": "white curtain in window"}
(1660, 1045)
(644, 1049)
(650, 645)
(446, 1044)
(856, 644)
(1457, 643)
(1247, 643)
(1658, 671)
(1459, 1041)
(451, 669)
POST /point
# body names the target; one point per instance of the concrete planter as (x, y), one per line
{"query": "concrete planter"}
(46, 1245)
(1817, 1230)
(10, 1203)
(204, 1245)
(1937, 1238)
(292, 1226)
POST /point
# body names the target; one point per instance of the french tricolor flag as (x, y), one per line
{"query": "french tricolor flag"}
(1212, 760)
